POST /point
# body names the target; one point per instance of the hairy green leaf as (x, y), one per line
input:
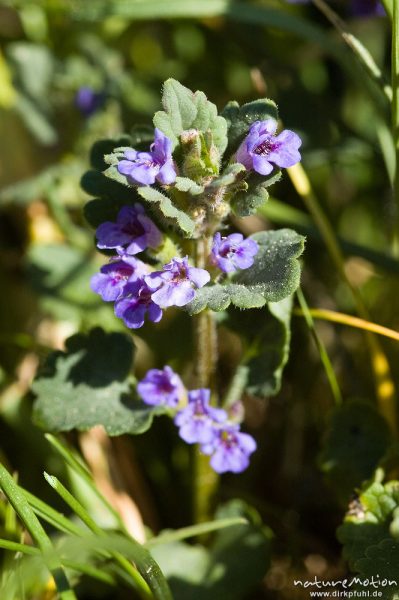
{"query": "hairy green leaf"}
(254, 194)
(366, 538)
(166, 207)
(185, 110)
(185, 184)
(88, 385)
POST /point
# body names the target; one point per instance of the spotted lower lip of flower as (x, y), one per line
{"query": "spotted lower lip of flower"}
(110, 282)
(230, 449)
(197, 420)
(262, 149)
(132, 233)
(144, 168)
(161, 387)
(175, 285)
(135, 304)
(233, 252)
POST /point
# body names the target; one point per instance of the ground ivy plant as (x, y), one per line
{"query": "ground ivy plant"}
(166, 218)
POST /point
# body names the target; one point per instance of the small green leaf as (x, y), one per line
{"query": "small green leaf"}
(185, 110)
(382, 560)
(229, 175)
(97, 184)
(185, 184)
(357, 440)
(166, 207)
(88, 385)
(247, 201)
(100, 210)
(102, 148)
(268, 335)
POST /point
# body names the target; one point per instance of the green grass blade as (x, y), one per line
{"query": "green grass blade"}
(325, 359)
(52, 516)
(74, 461)
(194, 530)
(16, 547)
(18, 500)
(90, 571)
(147, 577)
(360, 52)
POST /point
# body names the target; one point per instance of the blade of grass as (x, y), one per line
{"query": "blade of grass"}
(395, 113)
(16, 547)
(337, 317)
(194, 530)
(388, 7)
(149, 582)
(77, 465)
(325, 359)
(79, 568)
(89, 571)
(52, 516)
(21, 506)
(360, 52)
(385, 389)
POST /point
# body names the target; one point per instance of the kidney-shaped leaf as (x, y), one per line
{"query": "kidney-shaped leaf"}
(88, 385)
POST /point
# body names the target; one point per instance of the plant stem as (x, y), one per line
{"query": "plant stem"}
(395, 115)
(205, 480)
(325, 359)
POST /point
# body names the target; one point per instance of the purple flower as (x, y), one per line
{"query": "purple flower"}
(88, 101)
(197, 420)
(113, 277)
(143, 168)
(367, 8)
(161, 387)
(359, 8)
(133, 231)
(262, 147)
(233, 252)
(174, 286)
(230, 449)
(135, 303)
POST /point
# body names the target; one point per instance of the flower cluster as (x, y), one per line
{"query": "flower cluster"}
(141, 291)
(136, 289)
(198, 421)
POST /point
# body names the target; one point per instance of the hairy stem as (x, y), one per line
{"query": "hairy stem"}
(205, 480)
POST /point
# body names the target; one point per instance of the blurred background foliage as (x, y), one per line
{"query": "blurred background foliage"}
(312, 453)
